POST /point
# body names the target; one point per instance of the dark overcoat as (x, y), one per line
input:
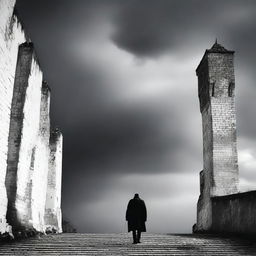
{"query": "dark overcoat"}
(136, 215)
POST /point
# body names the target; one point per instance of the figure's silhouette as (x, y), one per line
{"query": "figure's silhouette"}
(136, 215)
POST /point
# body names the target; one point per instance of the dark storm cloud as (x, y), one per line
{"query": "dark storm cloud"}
(151, 28)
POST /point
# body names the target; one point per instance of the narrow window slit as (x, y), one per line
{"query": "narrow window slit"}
(213, 89)
(230, 89)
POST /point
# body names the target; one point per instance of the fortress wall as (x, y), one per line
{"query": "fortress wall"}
(235, 213)
(24, 128)
(25, 157)
(53, 218)
(40, 165)
(11, 35)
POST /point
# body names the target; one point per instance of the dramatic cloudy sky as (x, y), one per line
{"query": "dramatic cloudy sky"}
(124, 93)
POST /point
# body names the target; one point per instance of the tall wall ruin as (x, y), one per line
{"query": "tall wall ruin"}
(219, 200)
(11, 35)
(53, 217)
(26, 157)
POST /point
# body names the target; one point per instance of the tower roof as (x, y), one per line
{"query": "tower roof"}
(218, 48)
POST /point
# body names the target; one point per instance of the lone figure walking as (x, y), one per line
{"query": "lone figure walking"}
(136, 215)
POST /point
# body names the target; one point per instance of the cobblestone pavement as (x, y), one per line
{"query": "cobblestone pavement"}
(120, 244)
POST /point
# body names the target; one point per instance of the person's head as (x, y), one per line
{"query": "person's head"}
(136, 195)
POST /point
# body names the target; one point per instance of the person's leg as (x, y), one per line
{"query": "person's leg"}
(134, 236)
(138, 236)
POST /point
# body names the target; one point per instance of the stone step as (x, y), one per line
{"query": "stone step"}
(121, 244)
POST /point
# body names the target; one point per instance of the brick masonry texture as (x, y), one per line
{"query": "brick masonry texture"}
(26, 156)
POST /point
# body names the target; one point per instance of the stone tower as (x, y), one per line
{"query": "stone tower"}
(216, 91)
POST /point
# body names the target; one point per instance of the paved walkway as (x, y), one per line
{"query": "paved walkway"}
(120, 244)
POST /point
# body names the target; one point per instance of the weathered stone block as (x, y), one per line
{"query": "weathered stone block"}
(39, 162)
(53, 217)
(24, 127)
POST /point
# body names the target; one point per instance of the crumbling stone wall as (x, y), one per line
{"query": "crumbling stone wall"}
(24, 127)
(216, 84)
(40, 164)
(53, 218)
(11, 35)
(27, 154)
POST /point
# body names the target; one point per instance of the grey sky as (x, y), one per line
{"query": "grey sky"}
(124, 92)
